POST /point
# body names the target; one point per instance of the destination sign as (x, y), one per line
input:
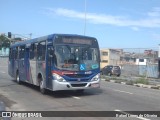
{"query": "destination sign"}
(77, 41)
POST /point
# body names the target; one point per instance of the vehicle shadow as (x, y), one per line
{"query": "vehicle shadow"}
(27, 85)
(71, 93)
(62, 93)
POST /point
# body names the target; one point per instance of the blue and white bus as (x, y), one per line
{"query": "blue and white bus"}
(56, 62)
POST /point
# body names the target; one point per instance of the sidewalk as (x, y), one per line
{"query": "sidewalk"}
(135, 81)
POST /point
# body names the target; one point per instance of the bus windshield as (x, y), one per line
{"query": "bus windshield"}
(76, 57)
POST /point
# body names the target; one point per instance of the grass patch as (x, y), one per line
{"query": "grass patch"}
(107, 79)
(130, 82)
(142, 80)
(118, 81)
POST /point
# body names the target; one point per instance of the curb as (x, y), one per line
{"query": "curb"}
(147, 86)
(137, 85)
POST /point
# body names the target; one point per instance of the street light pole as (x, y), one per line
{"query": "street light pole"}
(159, 51)
(30, 35)
(85, 5)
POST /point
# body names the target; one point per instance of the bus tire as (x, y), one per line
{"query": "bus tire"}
(17, 78)
(42, 89)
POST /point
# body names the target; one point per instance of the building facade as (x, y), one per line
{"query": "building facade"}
(110, 57)
(4, 51)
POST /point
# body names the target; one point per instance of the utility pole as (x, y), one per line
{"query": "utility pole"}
(85, 5)
(30, 35)
(159, 51)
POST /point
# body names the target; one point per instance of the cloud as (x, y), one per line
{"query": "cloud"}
(156, 36)
(155, 12)
(135, 28)
(149, 21)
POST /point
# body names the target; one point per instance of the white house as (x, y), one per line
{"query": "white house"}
(141, 61)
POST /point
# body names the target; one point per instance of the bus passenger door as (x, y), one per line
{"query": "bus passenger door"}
(32, 63)
(22, 56)
(11, 62)
(49, 62)
(27, 65)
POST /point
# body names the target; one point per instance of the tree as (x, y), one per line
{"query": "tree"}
(4, 41)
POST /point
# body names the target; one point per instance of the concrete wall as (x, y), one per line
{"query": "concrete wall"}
(150, 70)
(130, 70)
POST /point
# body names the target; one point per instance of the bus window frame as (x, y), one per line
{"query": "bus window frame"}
(21, 52)
(41, 53)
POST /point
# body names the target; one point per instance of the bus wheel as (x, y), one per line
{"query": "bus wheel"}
(17, 78)
(42, 89)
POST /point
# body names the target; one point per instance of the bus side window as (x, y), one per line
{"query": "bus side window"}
(32, 51)
(41, 49)
(10, 53)
(16, 53)
(35, 51)
(13, 53)
(21, 52)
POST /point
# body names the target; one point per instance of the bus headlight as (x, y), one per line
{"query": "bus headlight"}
(58, 78)
(96, 78)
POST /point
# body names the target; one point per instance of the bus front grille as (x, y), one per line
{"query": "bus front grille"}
(79, 85)
(77, 75)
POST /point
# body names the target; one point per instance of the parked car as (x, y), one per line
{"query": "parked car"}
(111, 70)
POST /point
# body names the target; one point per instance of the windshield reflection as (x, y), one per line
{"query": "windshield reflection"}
(76, 58)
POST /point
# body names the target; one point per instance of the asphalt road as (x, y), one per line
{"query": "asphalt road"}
(110, 97)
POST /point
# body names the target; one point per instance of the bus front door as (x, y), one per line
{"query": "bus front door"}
(49, 65)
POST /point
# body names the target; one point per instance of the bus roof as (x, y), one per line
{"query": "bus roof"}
(47, 37)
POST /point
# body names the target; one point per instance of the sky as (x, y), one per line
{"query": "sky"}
(115, 23)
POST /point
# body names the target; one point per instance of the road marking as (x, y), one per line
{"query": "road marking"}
(122, 91)
(141, 118)
(3, 66)
(76, 97)
(2, 72)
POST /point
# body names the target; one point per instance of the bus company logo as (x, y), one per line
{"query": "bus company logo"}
(6, 114)
(78, 79)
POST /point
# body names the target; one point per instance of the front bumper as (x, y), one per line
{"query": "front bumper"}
(74, 85)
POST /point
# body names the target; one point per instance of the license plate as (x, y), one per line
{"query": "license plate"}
(95, 85)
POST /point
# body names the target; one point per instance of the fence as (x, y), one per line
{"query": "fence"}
(140, 62)
(150, 70)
